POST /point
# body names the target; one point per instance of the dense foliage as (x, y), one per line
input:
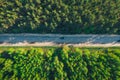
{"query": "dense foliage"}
(60, 16)
(59, 64)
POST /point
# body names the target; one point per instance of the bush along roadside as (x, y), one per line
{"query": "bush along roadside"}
(65, 63)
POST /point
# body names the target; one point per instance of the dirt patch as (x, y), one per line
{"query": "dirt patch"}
(54, 44)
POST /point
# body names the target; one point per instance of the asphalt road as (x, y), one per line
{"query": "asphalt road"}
(14, 39)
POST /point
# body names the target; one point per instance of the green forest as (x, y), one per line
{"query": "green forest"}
(60, 16)
(63, 63)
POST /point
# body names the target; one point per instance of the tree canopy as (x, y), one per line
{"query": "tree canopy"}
(60, 16)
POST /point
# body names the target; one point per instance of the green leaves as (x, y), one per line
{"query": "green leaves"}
(59, 16)
(65, 63)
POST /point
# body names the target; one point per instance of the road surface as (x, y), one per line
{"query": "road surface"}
(58, 39)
